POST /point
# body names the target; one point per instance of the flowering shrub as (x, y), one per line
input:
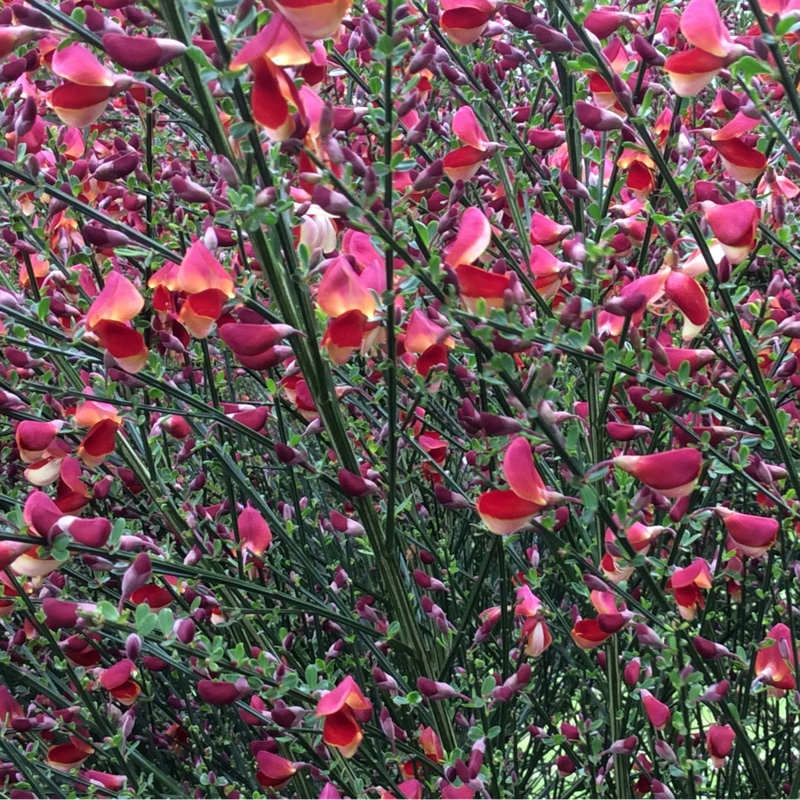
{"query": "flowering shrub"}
(399, 400)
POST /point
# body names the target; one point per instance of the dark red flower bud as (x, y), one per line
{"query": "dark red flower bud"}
(496, 425)
(621, 432)
(218, 693)
(422, 58)
(565, 766)
(25, 15)
(709, 650)
(185, 630)
(60, 613)
(573, 187)
(119, 167)
(137, 575)
(98, 236)
(189, 191)
(550, 39)
(596, 119)
(26, 117)
(436, 690)
(333, 202)
(761, 48)
(453, 75)
(354, 485)
(13, 69)
(449, 499)
(133, 647)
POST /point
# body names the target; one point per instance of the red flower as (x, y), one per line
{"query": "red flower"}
(774, 665)
(687, 587)
(117, 682)
(273, 770)
(465, 20)
(748, 534)
(673, 473)
(535, 632)
(719, 743)
(507, 511)
(589, 633)
(254, 531)
(657, 712)
(690, 71)
(343, 709)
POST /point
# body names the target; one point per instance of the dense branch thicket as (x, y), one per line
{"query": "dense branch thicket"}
(399, 400)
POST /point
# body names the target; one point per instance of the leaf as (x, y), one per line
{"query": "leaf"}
(312, 676)
(107, 611)
(197, 55)
(148, 621)
(748, 67)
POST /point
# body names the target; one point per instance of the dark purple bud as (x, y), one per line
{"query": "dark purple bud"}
(430, 177)
(761, 48)
(422, 58)
(354, 485)
(13, 69)
(218, 693)
(716, 692)
(661, 792)
(189, 191)
(496, 425)
(436, 690)
(333, 202)
(370, 182)
(60, 613)
(133, 646)
(596, 119)
(369, 31)
(571, 313)
(664, 751)
(573, 186)
(518, 17)
(647, 636)
(550, 39)
(624, 747)
(408, 104)
(482, 74)
(120, 167)
(449, 499)
(288, 455)
(25, 15)
(456, 193)
(26, 117)
(383, 681)
(709, 650)
(426, 557)
(185, 630)
(647, 52)
(97, 236)
(137, 575)
(453, 75)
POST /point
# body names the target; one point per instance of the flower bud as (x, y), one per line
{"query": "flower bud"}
(133, 646)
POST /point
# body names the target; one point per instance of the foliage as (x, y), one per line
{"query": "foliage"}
(398, 400)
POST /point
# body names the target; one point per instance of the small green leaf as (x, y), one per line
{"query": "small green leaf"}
(311, 677)
(107, 611)
(199, 57)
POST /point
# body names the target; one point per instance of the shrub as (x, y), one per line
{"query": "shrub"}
(399, 400)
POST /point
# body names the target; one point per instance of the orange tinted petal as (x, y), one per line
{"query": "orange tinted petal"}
(474, 236)
(200, 271)
(504, 512)
(341, 290)
(119, 301)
